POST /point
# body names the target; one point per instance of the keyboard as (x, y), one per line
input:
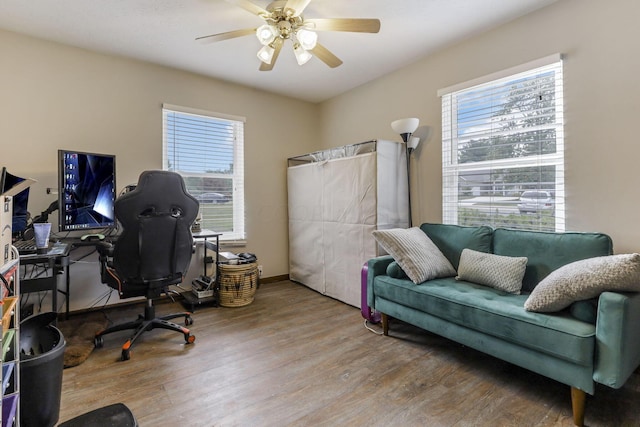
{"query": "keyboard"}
(25, 246)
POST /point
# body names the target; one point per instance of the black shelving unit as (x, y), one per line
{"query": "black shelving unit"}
(191, 300)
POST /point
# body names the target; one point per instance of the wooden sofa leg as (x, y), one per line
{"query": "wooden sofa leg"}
(385, 324)
(578, 399)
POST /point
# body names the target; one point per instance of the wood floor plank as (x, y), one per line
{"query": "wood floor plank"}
(296, 358)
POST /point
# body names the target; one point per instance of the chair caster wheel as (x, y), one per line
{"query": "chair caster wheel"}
(188, 321)
(98, 342)
(189, 339)
(126, 355)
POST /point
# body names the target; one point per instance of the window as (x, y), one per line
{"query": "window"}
(503, 149)
(207, 149)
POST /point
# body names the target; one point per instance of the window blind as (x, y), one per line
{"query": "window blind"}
(503, 151)
(207, 149)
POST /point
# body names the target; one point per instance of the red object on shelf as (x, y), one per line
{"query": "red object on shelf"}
(8, 276)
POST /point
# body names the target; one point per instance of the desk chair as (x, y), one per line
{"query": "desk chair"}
(152, 252)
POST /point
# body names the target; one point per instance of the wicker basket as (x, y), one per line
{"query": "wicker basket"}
(238, 284)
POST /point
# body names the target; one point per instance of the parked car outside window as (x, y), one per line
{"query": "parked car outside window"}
(212, 198)
(537, 201)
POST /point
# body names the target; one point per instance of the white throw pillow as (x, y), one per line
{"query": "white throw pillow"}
(497, 271)
(585, 279)
(415, 253)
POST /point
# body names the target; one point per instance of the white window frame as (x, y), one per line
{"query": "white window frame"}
(238, 234)
(451, 139)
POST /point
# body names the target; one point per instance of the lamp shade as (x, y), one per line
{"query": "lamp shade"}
(266, 34)
(413, 142)
(265, 54)
(403, 126)
(302, 56)
(307, 39)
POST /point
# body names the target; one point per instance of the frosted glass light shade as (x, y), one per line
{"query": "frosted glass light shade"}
(302, 56)
(265, 54)
(413, 142)
(307, 39)
(266, 34)
(405, 125)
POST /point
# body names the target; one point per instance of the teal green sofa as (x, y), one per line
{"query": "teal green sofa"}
(594, 341)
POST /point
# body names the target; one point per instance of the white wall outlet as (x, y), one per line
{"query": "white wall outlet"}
(259, 271)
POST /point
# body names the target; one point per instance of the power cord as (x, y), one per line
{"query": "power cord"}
(366, 325)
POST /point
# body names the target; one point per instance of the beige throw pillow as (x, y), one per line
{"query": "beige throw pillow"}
(415, 253)
(585, 279)
(497, 271)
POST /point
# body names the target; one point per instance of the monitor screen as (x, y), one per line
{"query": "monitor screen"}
(20, 202)
(86, 190)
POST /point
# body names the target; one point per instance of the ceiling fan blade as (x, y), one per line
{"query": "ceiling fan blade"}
(296, 6)
(250, 7)
(326, 56)
(225, 36)
(277, 46)
(344, 24)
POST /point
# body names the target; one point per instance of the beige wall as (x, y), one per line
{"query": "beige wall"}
(602, 103)
(55, 96)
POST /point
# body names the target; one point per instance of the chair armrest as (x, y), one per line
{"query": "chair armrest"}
(375, 267)
(617, 338)
(104, 248)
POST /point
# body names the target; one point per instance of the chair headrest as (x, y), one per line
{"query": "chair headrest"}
(157, 193)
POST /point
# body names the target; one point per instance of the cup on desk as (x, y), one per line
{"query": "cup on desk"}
(42, 232)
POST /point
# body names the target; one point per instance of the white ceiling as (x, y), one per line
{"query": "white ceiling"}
(164, 32)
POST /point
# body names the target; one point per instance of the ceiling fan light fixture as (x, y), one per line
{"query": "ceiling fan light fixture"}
(265, 54)
(302, 56)
(307, 39)
(282, 21)
(266, 34)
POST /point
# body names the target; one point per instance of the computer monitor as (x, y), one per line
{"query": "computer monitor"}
(86, 190)
(20, 202)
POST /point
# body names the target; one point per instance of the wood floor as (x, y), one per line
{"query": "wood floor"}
(296, 358)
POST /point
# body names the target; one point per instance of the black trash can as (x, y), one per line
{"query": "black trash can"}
(41, 363)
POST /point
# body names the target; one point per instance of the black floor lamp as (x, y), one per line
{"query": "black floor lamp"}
(406, 127)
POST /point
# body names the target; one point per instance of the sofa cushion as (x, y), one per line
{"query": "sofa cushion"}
(587, 310)
(498, 271)
(394, 270)
(452, 239)
(547, 252)
(415, 253)
(495, 313)
(585, 279)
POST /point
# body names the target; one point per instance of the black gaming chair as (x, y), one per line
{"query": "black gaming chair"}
(152, 252)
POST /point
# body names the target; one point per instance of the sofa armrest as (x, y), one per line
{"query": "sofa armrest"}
(376, 267)
(617, 338)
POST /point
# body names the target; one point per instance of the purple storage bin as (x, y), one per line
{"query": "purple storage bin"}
(369, 314)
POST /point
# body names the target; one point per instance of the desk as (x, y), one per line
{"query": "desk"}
(53, 262)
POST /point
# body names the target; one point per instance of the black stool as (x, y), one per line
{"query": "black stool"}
(116, 415)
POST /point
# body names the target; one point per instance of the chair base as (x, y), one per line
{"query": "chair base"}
(144, 323)
(113, 415)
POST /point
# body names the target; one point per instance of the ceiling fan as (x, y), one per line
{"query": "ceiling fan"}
(284, 20)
